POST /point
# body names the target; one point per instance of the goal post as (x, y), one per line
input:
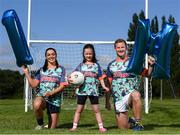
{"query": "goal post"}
(69, 55)
(32, 42)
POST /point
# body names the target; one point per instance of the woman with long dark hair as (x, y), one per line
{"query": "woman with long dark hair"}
(50, 80)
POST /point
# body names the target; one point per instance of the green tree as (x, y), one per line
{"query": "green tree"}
(152, 26)
(132, 28)
(133, 25)
(175, 56)
(163, 21)
(141, 15)
(11, 84)
(156, 29)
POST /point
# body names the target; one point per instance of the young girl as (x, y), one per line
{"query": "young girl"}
(50, 80)
(93, 74)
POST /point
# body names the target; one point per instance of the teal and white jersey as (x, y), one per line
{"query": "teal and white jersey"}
(122, 83)
(49, 80)
(93, 74)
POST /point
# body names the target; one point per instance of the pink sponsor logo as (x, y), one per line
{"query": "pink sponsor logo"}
(49, 79)
(120, 75)
(89, 74)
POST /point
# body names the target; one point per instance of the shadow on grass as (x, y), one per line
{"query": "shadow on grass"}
(147, 127)
(108, 128)
(112, 127)
(65, 125)
(69, 125)
(152, 126)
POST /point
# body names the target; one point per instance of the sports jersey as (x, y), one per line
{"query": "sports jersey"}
(49, 80)
(122, 83)
(93, 74)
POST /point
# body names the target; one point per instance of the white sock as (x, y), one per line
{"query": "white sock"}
(100, 125)
(75, 125)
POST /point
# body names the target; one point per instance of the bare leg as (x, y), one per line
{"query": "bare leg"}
(135, 99)
(122, 120)
(54, 120)
(79, 110)
(39, 105)
(96, 110)
(136, 104)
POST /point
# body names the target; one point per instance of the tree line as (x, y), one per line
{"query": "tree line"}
(11, 84)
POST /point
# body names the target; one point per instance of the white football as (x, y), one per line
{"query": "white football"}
(77, 78)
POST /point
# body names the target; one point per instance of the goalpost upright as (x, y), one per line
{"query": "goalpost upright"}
(28, 94)
(27, 104)
(146, 85)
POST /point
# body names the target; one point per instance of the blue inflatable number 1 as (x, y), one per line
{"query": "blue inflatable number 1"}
(16, 36)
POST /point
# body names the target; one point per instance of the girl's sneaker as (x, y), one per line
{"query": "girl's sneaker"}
(73, 129)
(102, 130)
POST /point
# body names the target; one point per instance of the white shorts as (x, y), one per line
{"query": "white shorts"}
(122, 105)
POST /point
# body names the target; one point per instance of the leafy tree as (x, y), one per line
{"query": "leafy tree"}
(163, 21)
(141, 15)
(133, 25)
(175, 63)
(156, 29)
(11, 84)
(154, 25)
(132, 28)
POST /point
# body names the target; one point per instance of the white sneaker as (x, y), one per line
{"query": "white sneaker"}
(39, 127)
(46, 126)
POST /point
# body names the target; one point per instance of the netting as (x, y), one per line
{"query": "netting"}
(70, 55)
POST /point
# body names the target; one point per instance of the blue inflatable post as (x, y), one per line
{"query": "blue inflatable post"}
(140, 48)
(16, 35)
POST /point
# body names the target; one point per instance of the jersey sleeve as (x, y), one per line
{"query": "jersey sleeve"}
(63, 75)
(37, 75)
(144, 73)
(109, 73)
(100, 75)
(78, 68)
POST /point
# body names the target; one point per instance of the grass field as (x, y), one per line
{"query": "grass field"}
(163, 118)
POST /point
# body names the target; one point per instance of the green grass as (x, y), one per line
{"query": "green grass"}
(163, 118)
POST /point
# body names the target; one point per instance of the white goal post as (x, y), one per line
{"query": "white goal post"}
(28, 96)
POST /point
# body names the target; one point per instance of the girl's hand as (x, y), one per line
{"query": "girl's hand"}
(106, 89)
(48, 94)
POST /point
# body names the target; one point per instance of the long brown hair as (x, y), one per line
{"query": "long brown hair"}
(94, 60)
